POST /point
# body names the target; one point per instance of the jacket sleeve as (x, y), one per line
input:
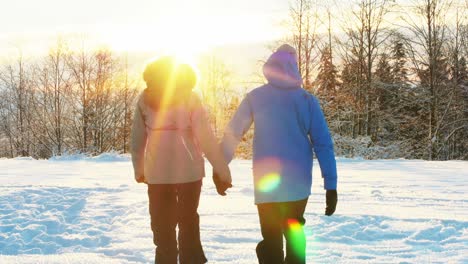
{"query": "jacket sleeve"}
(138, 142)
(237, 127)
(322, 144)
(207, 140)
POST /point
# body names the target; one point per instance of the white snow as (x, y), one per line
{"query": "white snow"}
(77, 209)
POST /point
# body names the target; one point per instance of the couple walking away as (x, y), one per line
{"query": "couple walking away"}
(171, 132)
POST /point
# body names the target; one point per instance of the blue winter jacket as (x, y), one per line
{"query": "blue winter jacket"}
(289, 125)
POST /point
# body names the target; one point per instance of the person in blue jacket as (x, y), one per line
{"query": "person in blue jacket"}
(289, 127)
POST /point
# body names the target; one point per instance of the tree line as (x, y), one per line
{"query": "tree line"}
(392, 77)
(66, 102)
(82, 101)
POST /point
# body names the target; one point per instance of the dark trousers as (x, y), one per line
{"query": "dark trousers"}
(171, 205)
(278, 220)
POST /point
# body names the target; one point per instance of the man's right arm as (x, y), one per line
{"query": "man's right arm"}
(237, 127)
(323, 144)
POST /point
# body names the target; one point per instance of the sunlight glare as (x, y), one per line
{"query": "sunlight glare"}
(269, 182)
(297, 236)
(270, 170)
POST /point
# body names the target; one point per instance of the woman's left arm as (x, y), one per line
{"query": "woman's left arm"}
(138, 144)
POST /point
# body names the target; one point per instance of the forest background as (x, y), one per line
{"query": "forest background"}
(391, 76)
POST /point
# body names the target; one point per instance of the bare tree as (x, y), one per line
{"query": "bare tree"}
(123, 93)
(53, 87)
(15, 78)
(82, 69)
(126, 95)
(103, 99)
(6, 134)
(428, 35)
(365, 35)
(304, 21)
(453, 125)
(215, 87)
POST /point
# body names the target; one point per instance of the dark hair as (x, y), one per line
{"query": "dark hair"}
(167, 82)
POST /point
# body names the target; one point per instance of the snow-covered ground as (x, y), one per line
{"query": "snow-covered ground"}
(89, 210)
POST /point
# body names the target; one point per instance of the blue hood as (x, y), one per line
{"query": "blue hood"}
(281, 70)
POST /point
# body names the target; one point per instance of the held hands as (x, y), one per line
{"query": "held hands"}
(140, 178)
(332, 199)
(221, 185)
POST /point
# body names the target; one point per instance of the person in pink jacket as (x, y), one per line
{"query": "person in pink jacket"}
(170, 133)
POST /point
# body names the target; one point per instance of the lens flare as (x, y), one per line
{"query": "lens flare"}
(268, 174)
(297, 238)
(269, 182)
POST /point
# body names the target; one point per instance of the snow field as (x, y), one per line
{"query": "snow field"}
(90, 210)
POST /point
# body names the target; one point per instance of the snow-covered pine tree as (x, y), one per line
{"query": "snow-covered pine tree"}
(385, 94)
(327, 79)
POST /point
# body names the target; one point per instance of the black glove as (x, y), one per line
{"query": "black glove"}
(332, 199)
(221, 186)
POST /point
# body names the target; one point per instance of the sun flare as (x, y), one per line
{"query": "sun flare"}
(187, 34)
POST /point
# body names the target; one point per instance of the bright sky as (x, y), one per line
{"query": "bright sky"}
(239, 29)
(140, 25)
(145, 25)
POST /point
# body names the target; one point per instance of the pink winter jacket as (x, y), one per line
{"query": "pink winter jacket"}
(167, 145)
